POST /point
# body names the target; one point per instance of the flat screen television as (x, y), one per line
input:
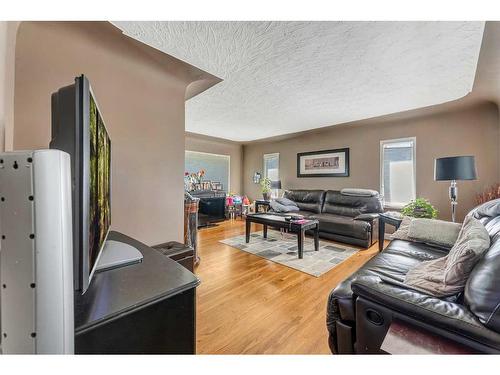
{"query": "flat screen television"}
(79, 129)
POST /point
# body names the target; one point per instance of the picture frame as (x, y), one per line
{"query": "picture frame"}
(324, 163)
(216, 186)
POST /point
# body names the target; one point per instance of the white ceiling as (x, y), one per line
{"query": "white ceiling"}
(285, 77)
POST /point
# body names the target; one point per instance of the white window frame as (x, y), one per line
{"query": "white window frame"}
(397, 205)
(274, 192)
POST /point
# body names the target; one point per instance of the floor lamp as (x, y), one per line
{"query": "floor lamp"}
(452, 169)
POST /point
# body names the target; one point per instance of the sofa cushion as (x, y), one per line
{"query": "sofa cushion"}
(303, 213)
(307, 200)
(343, 225)
(407, 229)
(443, 233)
(346, 205)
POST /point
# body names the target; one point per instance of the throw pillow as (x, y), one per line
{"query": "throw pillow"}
(278, 207)
(443, 233)
(286, 202)
(448, 275)
(404, 228)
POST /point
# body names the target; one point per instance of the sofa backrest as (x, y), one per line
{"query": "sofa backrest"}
(307, 200)
(482, 291)
(348, 205)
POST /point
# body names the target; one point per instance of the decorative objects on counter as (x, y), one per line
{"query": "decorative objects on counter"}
(195, 177)
(216, 186)
(195, 182)
(326, 163)
(452, 169)
(420, 208)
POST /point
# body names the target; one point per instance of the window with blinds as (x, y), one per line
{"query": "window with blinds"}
(397, 171)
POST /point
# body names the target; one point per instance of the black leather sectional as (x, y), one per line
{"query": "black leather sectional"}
(361, 308)
(343, 218)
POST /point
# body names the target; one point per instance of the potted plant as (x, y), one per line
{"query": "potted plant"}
(265, 185)
(420, 208)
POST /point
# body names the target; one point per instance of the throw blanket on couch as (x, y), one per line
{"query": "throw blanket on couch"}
(447, 275)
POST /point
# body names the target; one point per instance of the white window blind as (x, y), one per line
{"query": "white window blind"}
(272, 169)
(397, 171)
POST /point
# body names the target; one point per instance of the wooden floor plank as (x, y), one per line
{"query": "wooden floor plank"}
(250, 305)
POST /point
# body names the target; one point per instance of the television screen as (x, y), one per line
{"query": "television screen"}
(78, 129)
(99, 183)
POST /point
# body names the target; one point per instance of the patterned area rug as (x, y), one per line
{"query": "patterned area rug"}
(283, 250)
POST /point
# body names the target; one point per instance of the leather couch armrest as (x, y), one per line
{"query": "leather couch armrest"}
(442, 313)
(367, 217)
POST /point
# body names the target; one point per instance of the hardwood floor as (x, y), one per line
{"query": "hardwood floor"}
(247, 304)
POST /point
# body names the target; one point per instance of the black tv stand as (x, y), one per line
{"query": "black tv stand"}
(147, 307)
(212, 207)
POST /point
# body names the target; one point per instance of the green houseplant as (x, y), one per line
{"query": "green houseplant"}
(420, 208)
(265, 185)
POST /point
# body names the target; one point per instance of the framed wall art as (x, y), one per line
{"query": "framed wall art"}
(326, 163)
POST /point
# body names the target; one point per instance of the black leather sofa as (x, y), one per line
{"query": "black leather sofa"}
(361, 309)
(343, 218)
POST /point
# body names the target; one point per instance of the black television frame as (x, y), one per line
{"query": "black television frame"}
(70, 133)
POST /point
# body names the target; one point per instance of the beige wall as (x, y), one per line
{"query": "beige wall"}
(3, 88)
(473, 131)
(8, 30)
(195, 142)
(141, 95)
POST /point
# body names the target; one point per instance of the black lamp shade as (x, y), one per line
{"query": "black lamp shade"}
(276, 184)
(455, 168)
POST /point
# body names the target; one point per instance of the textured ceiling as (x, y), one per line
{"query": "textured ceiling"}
(285, 77)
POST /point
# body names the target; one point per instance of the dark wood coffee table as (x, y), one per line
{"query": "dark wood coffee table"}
(277, 221)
